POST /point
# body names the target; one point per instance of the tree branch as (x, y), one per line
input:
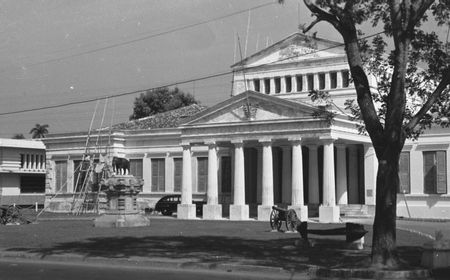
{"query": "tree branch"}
(321, 15)
(429, 103)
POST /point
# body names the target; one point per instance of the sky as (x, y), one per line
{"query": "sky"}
(60, 51)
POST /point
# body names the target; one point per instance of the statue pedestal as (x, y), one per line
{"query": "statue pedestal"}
(121, 192)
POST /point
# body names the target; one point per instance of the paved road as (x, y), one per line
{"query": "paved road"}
(37, 270)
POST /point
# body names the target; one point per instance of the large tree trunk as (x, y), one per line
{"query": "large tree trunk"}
(384, 228)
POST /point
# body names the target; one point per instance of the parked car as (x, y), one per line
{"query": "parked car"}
(167, 205)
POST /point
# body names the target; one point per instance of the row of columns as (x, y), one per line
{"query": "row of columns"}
(332, 185)
(32, 161)
(305, 84)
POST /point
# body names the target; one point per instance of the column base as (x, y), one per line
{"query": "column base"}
(264, 212)
(301, 210)
(238, 212)
(329, 214)
(212, 212)
(186, 211)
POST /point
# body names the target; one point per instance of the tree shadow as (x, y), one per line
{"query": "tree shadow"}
(214, 249)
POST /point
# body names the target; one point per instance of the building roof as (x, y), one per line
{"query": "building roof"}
(169, 119)
(22, 143)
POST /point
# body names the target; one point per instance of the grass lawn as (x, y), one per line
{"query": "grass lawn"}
(246, 242)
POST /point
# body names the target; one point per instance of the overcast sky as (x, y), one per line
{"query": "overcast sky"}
(60, 51)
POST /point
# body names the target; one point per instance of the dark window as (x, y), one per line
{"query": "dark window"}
(61, 176)
(202, 174)
(403, 173)
(136, 168)
(267, 85)
(32, 184)
(22, 160)
(158, 175)
(226, 174)
(28, 165)
(177, 174)
(310, 78)
(277, 85)
(299, 80)
(256, 85)
(435, 172)
(345, 79)
(288, 80)
(333, 80)
(322, 81)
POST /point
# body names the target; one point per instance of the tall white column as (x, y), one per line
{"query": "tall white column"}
(272, 85)
(212, 210)
(370, 174)
(316, 81)
(328, 211)
(294, 83)
(286, 180)
(239, 210)
(298, 203)
(327, 80)
(282, 84)
(262, 86)
(313, 176)
(267, 181)
(341, 174)
(147, 174)
(353, 189)
(186, 210)
(339, 79)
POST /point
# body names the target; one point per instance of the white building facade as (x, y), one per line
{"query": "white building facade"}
(22, 172)
(266, 145)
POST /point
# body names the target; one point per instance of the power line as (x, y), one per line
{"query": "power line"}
(178, 82)
(149, 36)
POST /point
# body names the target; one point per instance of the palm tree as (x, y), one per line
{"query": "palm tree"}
(39, 131)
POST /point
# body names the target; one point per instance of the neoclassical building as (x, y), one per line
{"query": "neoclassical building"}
(268, 144)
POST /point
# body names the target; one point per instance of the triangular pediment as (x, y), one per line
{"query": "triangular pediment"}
(252, 106)
(295, 48)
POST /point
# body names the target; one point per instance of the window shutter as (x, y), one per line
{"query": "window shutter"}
(154, 175)
(61, 176)
(178, 173)
(162, 177)
(441, 187)
(429, 172)
(202, 178)
(403, 173)
(136, 168)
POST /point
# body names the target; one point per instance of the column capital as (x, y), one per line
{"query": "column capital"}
(327, 139)
(185, 145)
(237, 142)
(211, 143)
(265, 141)
(295, 140)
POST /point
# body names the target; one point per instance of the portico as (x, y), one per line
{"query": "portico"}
(279, 174)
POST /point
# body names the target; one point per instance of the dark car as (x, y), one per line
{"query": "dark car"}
(168, 204)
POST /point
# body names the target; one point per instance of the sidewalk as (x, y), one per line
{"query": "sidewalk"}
(198, 244)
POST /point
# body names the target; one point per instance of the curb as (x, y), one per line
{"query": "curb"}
(301, 272)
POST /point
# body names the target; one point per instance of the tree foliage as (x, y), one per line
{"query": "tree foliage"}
(18, 136)
(412, 86)
(160, 100)
(39, 131)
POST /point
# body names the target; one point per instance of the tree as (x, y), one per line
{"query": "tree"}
(18, 136)
(39, 131)
(160, 100)
(396, 119)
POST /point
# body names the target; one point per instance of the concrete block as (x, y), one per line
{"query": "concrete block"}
(329, 214)
(264, 212)
(301, 210)
(212, 212)
(239, 212)
(186, 211)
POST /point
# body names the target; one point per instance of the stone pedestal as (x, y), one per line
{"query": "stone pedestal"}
(239, 212)
(212, 212)
(301, 210)
(121, 192)
(329, 214)
(186, 211)
(264, 212)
